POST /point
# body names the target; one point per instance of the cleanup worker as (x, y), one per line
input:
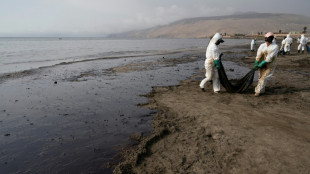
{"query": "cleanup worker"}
(253, 43)
(274, 40)
(298, 40)
(265, 62)
(302, 44)
(288, 43)
(282, 46)
(212, 63)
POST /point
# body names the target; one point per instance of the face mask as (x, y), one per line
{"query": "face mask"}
(269, 39)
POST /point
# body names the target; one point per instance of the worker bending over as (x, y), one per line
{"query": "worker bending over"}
(265, 62)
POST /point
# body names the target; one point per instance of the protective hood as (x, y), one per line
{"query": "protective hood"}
(216, 37)
(269, 34)
(288, 36)
(302, 36)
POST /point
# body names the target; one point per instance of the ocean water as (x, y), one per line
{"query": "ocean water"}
(18, 54)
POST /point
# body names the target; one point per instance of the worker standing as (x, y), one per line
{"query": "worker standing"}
(288, 43)
(265, 62)
(302, 44)
(282, 46)
(212, 63)
(253, 43)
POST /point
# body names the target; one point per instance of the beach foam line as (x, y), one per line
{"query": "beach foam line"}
(23, 73)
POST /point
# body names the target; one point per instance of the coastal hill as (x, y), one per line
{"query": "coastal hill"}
(244, 24)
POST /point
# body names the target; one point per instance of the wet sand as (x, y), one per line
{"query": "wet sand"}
(202, 132)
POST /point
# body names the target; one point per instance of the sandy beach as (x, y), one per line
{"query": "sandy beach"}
(203, 132)
(148, 112)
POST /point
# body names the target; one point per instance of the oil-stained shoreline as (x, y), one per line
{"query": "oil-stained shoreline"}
(197, 132)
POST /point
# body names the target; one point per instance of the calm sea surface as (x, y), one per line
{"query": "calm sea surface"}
(18, 54)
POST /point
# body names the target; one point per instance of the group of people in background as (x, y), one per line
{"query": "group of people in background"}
(287, 42)
(286, 45)
(265, 61)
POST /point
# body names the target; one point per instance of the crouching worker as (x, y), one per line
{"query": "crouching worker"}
(212, 63)
(265, 62)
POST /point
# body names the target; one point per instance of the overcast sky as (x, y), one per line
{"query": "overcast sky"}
(101, 17)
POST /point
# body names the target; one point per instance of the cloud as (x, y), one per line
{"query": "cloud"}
(106, 16)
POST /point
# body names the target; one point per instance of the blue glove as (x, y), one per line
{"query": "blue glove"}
(262, 64)
(217, 64)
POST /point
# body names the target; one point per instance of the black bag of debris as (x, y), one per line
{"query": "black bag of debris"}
(237, 86)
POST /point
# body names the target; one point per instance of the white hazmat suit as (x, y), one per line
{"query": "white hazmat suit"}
(212, 53)
(252, 44)
(288, 42)
(269, 54)
(274, 40)
(302, 44)
(282, 44)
